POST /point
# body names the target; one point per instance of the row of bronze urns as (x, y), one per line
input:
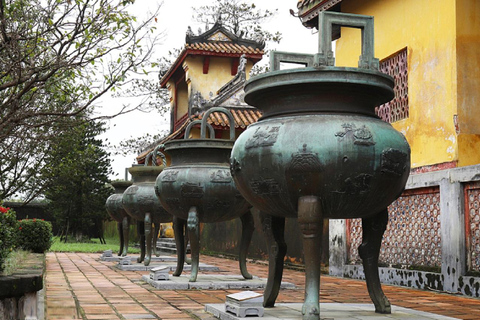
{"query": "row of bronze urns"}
(319, 152)
(135, 202)
(196, 188)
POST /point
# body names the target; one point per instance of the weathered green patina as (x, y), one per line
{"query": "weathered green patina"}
(141, 203)
(115, 209)
(198, 187)
(319, 151)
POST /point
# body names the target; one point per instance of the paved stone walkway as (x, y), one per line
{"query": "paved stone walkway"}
(81, 286)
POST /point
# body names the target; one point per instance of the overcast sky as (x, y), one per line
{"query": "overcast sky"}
(174, 18)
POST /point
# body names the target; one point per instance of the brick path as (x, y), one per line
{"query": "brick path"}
(80, 286)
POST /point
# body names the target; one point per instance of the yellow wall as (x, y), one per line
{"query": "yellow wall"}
(468, 80)
(219, 73)
(182, 99)
(427, 29)
(195, 133)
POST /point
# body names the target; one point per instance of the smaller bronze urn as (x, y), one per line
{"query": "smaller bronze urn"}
(198, 187)
(117, 212)
(141, 203)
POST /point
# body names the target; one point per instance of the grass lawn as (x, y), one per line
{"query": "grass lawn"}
(92, 246)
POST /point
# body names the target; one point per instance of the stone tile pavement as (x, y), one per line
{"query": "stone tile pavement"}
(81, 286)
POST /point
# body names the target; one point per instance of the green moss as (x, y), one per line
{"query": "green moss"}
(13, 261)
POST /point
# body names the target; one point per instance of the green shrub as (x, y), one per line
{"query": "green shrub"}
(35, 235)
(8, 233)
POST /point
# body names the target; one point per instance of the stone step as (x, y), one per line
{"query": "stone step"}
(168, 245)
(167, 250)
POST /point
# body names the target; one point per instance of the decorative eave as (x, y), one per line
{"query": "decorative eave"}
(206, 37)
(254, 56)
(230, 46)
(308, 10)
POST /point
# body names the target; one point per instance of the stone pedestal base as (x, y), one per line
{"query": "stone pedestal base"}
(246, 303)
(125, 261)
(159, 273)
(329, 311)
(107, 254)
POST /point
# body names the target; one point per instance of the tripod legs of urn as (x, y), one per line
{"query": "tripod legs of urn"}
(178, 230)
(123, 229)
(311, 225)
(247, 232)
(193, 227)
(369, 250)
(193, 231)
(273, 228)
(148, 238)
(152, 231)
(141, 233)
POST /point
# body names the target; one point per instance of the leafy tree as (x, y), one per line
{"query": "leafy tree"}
(139, 144)
(242, 18)
(57, 58)
(76, 177)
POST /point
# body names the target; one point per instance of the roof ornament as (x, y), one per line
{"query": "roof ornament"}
(219, 19)
(190, 32)
(259, 38)
(242, 66)
(197, 104)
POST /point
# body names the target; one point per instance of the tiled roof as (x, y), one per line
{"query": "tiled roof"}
(301, 4)
(141, 157)
(217, 41)
(309, 9)
(243, 117)
(223, 47)
(304, 3)
(220, 48)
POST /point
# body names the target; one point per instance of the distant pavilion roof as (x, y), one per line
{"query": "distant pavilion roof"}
(219, 42)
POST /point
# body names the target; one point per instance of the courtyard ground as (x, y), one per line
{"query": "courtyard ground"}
(81, 286)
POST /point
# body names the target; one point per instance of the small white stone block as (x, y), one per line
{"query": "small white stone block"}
(159, 273)
(246, 303)
(123, 261)
(107, 253)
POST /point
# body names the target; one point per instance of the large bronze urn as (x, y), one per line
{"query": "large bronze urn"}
(319, 152)
(141, 203)
(198, 187)
(115, 209)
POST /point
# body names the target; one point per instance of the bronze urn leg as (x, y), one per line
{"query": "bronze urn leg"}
(273, 228)
(194, 237)
(178, 230)
(119, 229)
(141, 233)
(311, 225)
(148, 237)
(155, 238)
(369, 250)
(187, 259)
(247, 231)
(125, 234)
